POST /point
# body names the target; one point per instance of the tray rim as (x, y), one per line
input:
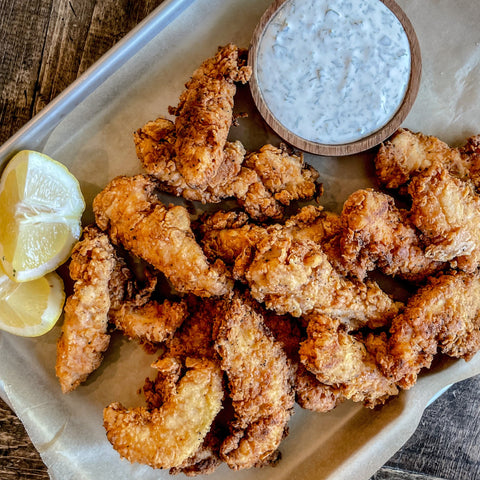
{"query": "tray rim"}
(45, 121)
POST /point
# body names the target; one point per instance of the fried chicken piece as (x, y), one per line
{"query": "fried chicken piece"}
(260, 385)
(338, 358)
(234, 246)
(134, 217)
(309, 392)
(253, 196)
(205, 460)
(266, 180)
(167, 436)
(283, 174)
(447, 211)
(204, 114)
(377, 234)
(152, 323)
(207, 457)
(99, 275)
(195, 337)
(296, 277)
(286, 268)
(406, 154)
(155, 147)
(444, 316)
(229, 236)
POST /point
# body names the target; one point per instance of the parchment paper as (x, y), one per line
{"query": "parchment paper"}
(95, 142)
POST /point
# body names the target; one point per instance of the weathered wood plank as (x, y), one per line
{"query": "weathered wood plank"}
(447, 441)
(20, 60)
(387, 473)
(60, 39)
(18, 458)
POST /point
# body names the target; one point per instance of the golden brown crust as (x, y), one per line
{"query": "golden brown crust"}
(283, 174)
(296, 277)
(406, 154)
(155, 147)
(134, 217)
(310, 393)
(447, 211)
(286, 268)
(167, 436)
(84, 336)
(152, 322)
(265, 181)
(204, 115)
(340, 359)
(443, 315)
(260, 381)
(195, 337)
(376, 234)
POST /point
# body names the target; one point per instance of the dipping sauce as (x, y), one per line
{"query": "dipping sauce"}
(333, 71)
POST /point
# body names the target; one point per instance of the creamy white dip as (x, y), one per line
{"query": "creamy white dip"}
(333, 71)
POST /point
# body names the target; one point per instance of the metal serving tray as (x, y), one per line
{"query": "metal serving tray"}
(89, 128)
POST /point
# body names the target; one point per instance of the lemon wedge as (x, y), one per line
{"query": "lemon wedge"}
(30, 309)
(41, 206)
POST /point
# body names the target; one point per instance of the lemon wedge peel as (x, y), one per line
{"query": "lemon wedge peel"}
(41, 206)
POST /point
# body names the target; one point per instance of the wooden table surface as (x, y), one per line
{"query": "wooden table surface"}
(47, 44)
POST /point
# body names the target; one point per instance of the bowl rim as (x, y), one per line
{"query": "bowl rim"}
(356, 146)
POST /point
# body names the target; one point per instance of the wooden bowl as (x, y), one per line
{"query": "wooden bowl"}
(360, 144)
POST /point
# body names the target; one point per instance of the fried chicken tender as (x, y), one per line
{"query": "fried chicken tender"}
(229, 235)
(195, 337)
(406, 154)
(260, 380)
(338, 358)
(265, 181)
(155, 147)
(134, 217)
(310, 393)
(447, 211)
(377, 234)
(444, 316)
(167, 436)
(287, 269)
(283, 174)
(296, 277)
(152, 323)
(99, 274)
(207, 457)
(204, 114)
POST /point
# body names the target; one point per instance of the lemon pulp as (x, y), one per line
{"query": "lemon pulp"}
(41, 205)
(30, 309)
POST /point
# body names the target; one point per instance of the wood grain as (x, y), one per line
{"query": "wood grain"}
(59, 40)
(17, 457)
